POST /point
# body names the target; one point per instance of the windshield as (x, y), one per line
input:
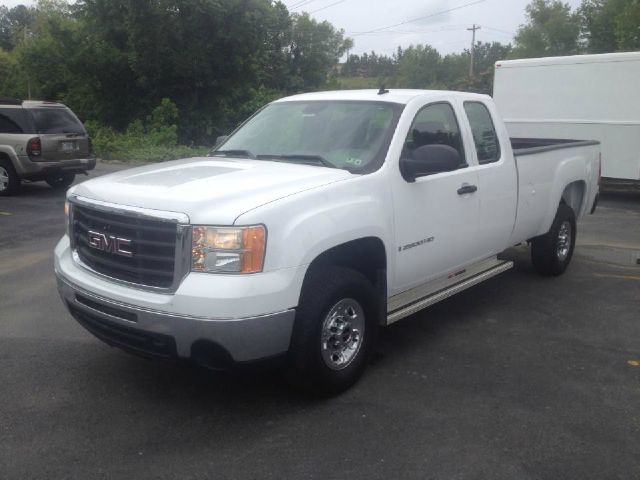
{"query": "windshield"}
(56, 120)
(352, 135)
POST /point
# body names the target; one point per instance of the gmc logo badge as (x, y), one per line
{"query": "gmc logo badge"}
(110, 244)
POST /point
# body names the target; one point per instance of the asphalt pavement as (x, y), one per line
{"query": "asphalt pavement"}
(521, 377)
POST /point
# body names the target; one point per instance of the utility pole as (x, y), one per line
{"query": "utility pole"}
(473, 46)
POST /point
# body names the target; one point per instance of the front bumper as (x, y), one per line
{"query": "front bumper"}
(213, 342)
(179, 324)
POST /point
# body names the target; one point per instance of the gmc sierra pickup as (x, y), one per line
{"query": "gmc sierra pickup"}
(322, 218)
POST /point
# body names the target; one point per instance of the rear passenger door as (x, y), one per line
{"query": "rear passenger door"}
(497, 178)
(436, 222)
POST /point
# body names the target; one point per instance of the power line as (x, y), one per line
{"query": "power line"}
(499, 30)
(447, 28)
(422, 18)
(328, 6)
(299, 4)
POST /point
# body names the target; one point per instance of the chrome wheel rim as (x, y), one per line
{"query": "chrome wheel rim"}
(342, 334)
(4, 179)
(564, 241)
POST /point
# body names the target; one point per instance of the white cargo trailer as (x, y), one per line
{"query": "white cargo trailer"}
(590, 97)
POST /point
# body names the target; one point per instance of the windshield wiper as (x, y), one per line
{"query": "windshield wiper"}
(307, 159)
(233, 153)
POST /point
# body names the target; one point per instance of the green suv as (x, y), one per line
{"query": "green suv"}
(41, 141)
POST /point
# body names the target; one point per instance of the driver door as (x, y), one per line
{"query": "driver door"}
(436, 222)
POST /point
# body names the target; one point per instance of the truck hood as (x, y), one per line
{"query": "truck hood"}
(210, 191)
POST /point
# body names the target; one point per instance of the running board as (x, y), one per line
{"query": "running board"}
(447, 292)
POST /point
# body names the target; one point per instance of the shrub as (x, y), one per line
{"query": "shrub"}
(154, 139)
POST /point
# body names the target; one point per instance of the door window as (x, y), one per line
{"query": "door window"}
(12, 120)
(484, 132)
(435, 124)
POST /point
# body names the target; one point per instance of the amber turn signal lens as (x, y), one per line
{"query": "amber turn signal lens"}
(253, 243)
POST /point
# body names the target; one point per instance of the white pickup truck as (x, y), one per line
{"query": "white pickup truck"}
(322, 218)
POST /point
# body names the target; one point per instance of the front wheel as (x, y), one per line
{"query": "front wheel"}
(61, 181)
(551, 253)
(335, 330)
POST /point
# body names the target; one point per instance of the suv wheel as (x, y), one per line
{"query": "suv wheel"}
(9, 181)
(61, 180)
(335, 330)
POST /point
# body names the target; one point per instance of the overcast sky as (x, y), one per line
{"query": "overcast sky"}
(447, 32)
(383, 25)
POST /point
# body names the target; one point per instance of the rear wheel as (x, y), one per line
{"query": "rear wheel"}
(61, 180)
(551, 253)
(335, 330)
(9, 181)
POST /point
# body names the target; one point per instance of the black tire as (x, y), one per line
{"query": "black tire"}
(9, 180)
(548, 253)
(61, 181)
(325, 288)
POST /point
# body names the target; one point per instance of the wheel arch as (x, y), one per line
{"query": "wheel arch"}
(7, 153)
(573, 196)
(366, 255)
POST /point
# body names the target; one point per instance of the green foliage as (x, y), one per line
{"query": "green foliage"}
(551, 29)
(112, 61)
(315, 49)
(610, 25)
(423, 67)
(418, 67)
(14, 25)
(8, 74)
(155, 139)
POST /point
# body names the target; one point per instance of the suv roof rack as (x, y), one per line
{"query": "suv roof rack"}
(10, 101)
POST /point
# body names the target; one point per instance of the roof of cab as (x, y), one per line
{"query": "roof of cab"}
(393, 96)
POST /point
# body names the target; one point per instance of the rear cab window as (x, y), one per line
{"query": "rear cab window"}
(484, 132)
(53, 120)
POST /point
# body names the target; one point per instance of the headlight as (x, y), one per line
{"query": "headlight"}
(227, 249)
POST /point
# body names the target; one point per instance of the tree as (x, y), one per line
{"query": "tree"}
(552, 29)
(15, 23)
(315, 48)
(610, 25)
(418, 67)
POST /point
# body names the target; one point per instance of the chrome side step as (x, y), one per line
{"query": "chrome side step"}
(447, 292)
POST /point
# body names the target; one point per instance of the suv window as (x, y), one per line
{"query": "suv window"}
(435, 124)
(56, 120)
(13, 120)
(484, 132)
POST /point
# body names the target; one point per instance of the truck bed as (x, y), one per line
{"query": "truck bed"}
(540, 163)
(530, 146)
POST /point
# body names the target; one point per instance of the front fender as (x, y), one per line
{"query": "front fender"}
(303, 226)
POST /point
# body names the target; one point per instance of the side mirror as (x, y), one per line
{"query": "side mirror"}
(429, 159)
(221, 139)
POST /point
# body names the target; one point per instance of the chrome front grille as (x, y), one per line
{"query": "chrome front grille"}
(156, 245)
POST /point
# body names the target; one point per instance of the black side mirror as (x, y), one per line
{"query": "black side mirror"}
(221, 139)
(429, 159)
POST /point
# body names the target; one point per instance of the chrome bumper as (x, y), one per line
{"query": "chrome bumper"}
(167, 335)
